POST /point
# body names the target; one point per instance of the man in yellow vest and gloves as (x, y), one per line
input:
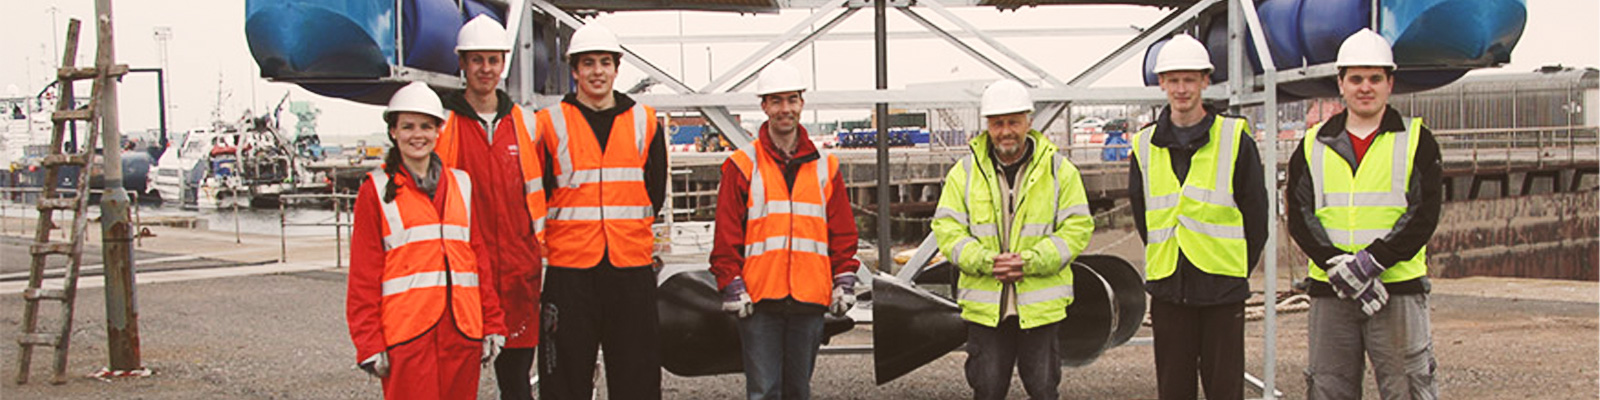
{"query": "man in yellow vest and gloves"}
(785, 244)
(1363, 200)
(607, 175)
(1199, 202)
(491, 138)
(1012, 216)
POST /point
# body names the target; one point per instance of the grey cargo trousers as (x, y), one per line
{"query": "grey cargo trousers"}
(1397, 339)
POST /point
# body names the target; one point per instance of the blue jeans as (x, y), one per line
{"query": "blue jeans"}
(779, 351)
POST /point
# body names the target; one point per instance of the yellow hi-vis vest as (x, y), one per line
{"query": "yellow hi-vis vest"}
(1051, 226)
(1199, 215)
(1358, 207)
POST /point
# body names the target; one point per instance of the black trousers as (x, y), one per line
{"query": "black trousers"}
(1207, 339)
(600, 307)
(511, 372)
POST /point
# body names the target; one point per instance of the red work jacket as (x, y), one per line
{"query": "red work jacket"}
(497, 170)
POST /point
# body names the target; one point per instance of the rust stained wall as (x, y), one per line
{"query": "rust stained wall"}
(1553, 236)
(1543, 236)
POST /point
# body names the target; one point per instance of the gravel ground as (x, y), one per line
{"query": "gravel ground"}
(283, 337)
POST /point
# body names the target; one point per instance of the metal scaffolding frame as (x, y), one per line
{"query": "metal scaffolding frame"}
(1053, 96)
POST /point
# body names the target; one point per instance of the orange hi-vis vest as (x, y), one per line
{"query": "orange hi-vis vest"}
(428, 259)
(600, 206)
(786, 230)
(449, 150)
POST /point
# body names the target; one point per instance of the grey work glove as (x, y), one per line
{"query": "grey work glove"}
(844, 294)
(377, 365)
(1344, 281)
(1355, 276)
(1373, 298)
(736, 300)
(491, 348)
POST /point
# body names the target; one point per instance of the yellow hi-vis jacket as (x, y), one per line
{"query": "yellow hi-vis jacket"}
(1359, 206)
(1199, 215)
(1051, 227)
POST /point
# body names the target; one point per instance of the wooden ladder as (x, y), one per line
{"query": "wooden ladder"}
(50, 202)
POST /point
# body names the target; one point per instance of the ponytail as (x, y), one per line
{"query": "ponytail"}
(391, 165)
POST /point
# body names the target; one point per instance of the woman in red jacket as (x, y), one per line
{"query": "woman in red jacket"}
(418, 315)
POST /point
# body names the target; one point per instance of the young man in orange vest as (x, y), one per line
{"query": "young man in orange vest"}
(786, 241)
(608, 163)
(488, 135)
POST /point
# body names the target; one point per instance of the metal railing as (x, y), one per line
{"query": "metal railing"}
(17, 198)
(1487, 147)
(1538, 146)
(339, 222)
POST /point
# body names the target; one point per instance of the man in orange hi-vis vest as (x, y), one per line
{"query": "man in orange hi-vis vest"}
(607, 163)
(785, 244)
(491, 138)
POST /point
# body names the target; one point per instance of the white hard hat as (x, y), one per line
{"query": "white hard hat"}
(593, 37)
(482, 34)
(1006, 96)
(779, 77)
(1183, 53)
(415, 97)
(1365, 48)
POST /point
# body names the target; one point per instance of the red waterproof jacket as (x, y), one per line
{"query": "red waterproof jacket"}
(496, 170)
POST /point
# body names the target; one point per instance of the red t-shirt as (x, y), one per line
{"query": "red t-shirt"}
(1360, 144)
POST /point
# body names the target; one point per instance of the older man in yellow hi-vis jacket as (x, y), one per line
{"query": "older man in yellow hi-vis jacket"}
(1012, 216)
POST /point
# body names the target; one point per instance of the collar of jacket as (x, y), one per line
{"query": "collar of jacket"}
(435, 172)
(1333, 129)
(624, 103)
(456, 101)
(1042, 148)
(804, 150)
(1166, 138)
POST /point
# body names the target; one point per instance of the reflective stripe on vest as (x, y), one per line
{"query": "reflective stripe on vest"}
(1048, 293)
(786, 229)
(599, 193)
(1361, 206)
(1198, 216)
(428, 258)
(427, 280)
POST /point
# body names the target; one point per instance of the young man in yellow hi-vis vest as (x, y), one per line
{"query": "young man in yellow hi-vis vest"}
(1012, 216)
(1363, 200)
(1199, 202)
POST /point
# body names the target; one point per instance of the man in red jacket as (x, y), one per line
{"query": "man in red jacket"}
(490, 137)
(785, 246)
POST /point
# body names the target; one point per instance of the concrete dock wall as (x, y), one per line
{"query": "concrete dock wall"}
(1552, 235)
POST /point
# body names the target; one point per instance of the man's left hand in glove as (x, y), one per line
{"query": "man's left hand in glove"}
(844, 293)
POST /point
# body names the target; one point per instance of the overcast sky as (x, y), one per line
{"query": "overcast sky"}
(208, 58)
